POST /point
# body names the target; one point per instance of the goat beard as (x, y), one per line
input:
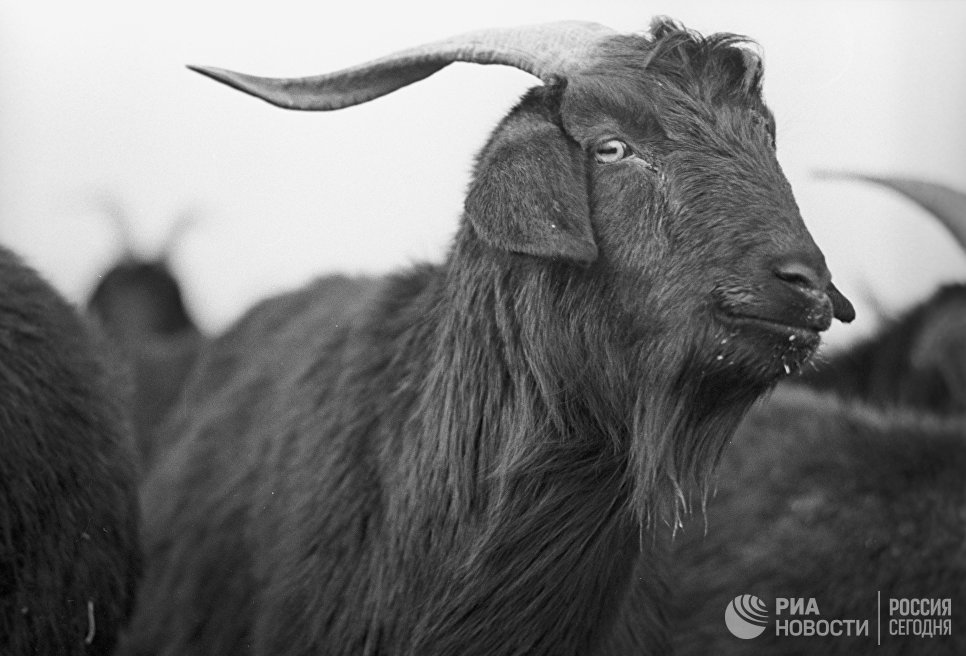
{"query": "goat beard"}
(670, 428)
(678, 429)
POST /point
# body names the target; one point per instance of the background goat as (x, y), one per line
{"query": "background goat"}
(139, 303)
(139, 297)
(464, 458)
(820, 497)
(918, 359)
(69, 553)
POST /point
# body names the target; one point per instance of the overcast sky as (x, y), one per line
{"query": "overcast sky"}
(95, 101)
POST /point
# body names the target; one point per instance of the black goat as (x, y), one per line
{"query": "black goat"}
(69, 552)
(140, 297)
(828, 499)
(464, 458)
(139, 303)
(919, 359)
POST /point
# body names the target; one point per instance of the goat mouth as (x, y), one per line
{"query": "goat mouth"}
(804, 335)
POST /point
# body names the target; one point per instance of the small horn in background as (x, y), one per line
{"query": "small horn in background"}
(945, 203)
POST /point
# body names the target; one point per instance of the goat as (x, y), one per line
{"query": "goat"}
(464, 458)
(140, 297)
(919, 359)
(69, 549)
(139, 303)
(830, 499)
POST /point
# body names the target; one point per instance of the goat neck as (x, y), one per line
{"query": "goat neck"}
(546, 443)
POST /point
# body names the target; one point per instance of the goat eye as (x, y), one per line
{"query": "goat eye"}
(612, 150)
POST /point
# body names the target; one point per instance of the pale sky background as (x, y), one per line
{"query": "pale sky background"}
(95, 99)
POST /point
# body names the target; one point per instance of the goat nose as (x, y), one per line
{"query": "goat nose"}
(841, 307)
(799, 271)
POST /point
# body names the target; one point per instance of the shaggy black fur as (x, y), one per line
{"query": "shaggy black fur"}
(465, 458)
(69, 553)
(825, 498)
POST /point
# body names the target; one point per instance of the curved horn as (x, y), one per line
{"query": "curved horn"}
(546, 51)
(946, 204)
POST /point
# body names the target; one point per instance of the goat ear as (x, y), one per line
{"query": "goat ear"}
(529, 194)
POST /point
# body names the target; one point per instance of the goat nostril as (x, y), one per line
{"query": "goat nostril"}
(798, 273)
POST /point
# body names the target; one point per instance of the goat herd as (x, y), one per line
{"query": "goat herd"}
(562, 439)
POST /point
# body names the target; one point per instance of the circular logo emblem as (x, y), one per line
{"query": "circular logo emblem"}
(746, 617)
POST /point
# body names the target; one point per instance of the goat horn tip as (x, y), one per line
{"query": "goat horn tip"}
(220, 74)
(267, 89)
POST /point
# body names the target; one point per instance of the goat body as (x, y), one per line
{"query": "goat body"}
(69, 552)
(828, 499)
(464, 458)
